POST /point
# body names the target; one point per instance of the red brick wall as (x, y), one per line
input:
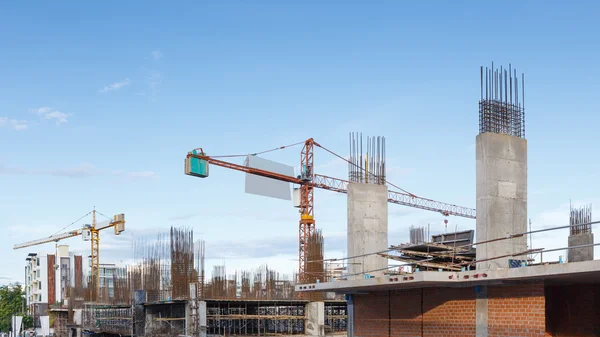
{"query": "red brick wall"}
(372, 314)
(406, 313)
(51, 280)
(514, 310)
(573, 310)
(416, 313)
(517, 310)
(449, 312)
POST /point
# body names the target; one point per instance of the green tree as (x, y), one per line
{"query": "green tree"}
(11, 303)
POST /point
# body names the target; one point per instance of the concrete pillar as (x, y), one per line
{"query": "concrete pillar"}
(582, 253)
(190, 311)
(202, 315)
(501, 197)
(350, 312)
(315, 319)
(481, 311)
(367, 228)
(148, 323)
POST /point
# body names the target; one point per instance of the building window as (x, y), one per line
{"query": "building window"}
(40, 286)
(38, 273)
(38, 262)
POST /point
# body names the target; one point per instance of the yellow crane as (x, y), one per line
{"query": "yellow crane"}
(88, 233)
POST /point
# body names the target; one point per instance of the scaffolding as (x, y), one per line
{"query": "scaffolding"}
(255, 318)
(336, 316)
(165, 319)
(107, 319)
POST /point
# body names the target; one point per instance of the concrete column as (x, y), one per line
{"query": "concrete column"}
(350, 312)
(501, 197)
(149, 322)
(481, 311)
(582, 253)
(189, 319)
(367, 228)
(315, 319)
(202, 315)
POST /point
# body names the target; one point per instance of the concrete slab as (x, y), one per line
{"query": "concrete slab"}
(574, 272)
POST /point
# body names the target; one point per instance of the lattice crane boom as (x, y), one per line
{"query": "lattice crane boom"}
(51, 238)
(399, 198)
(341, 186)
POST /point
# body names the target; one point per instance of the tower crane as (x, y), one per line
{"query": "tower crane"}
(88, 233)
(197, 163)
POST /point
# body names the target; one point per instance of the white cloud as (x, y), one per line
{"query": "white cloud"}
(115, 86)
(154, 82)
(156, 55)
(15, 124)
(58, 116)
(43, 110)
(82, 170)
(51, 114)
(19, 125)
(138, 174)
(182, 217)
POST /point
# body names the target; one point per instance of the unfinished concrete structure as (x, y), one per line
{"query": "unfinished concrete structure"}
(367, 207)
(581, 235)
(367, 228)
(498, 298)
(214, 317)
(501, 160)
(542, 300)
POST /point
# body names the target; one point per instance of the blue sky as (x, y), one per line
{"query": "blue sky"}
(99, 104)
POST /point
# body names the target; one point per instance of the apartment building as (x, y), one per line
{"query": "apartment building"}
(108, 272)
(48, 277)
(36, 283)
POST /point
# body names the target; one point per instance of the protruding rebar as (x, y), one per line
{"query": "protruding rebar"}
(502, 109)
(368, 166)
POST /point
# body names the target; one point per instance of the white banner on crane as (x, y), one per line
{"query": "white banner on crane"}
(268, 187)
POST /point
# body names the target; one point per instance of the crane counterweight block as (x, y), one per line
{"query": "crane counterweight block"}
(195, 165)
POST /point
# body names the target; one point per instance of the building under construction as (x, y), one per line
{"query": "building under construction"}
(486, 283)
(165, 292)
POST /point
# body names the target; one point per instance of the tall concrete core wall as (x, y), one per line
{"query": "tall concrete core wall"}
(367, 228)
(501, 197)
